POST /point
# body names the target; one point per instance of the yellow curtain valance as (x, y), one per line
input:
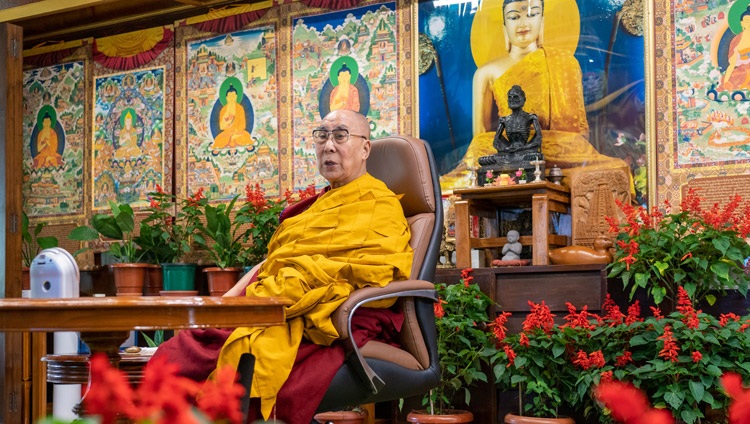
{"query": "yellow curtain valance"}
(229, 11)
(131, 43)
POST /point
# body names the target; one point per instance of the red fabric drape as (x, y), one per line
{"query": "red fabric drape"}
(332, 4)
(48, 59)
(230, 23)
(135, 61)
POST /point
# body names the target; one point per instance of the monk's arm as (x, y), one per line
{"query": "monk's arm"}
(241, 285)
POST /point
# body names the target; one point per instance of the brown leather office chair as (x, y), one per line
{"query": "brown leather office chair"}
(380, 372)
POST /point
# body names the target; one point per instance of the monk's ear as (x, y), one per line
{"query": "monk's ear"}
(366, 146)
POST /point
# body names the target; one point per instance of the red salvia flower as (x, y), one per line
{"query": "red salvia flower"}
(220, 398)
(498, 326)
(110, 394)
(510, 354)
(576, 319)
(596, 359)
(540, 317)
(612, 312)
(255, 195)
(630, 405)
(634, 313)
(581, 359)
(656, 312)
(523, 340)
(606, 377)
(439, 311)
(697, 356)
(739, 408)
(670, 349)
(724, 318)
(624, 359)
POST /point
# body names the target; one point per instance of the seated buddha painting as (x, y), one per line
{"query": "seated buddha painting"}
(345, 88)
(232, 117)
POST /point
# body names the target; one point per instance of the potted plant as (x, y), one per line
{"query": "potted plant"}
(263, 218)
(175, 223)
(465, 348)
(32, 245)
(702, 250)
(129, 274)
(154, 251)
(224, 235)
(676, 359)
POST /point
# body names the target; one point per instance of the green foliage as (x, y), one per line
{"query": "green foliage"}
(703, 251)
(156, 341)
(465, 346)
(32, 243)
(225, 235)
(169, 233)
(677, 360)
(117, 226)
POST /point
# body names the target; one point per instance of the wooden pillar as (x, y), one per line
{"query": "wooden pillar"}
(11, 172)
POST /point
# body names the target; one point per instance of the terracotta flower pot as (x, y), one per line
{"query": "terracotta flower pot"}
(341, 417)
(129, 278)
(220, 280)
(451, 416)
(518, 419)
(154, 281)
(25, 278)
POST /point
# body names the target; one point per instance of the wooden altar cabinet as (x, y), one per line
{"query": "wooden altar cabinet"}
(542, 197)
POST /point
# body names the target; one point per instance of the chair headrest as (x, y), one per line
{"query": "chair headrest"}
(402, 163)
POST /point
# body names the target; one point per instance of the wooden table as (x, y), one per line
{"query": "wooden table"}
(542, 197)
(105, 322)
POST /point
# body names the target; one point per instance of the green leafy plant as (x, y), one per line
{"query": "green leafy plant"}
(118, 226)
(677, 359)
(32, 243)
(465, 345)
(225, 233)
(171, 226)
(262, 216)
(157, 340)
(703, 250)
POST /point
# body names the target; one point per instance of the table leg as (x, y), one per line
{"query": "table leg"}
(540, 220)
(463, 246)
(107, 342)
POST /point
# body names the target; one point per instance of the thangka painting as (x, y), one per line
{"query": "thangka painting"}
(580, 64)
(343, 60)
(54, 136)
(712, 82)
(232, 110)
(702, 93)
(128, 137)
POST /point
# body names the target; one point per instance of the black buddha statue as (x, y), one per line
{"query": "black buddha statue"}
(515, 142)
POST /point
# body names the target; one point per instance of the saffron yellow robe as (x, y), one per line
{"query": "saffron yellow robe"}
(353, 236)
(552, 82)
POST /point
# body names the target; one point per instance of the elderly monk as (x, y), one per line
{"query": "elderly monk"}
(353, 235)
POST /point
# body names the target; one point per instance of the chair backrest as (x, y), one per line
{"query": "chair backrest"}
(407, 167)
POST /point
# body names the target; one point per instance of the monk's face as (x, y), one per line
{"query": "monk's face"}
(345, 162)
(523, 22)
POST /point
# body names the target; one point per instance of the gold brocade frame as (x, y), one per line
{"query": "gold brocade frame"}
(671, 131)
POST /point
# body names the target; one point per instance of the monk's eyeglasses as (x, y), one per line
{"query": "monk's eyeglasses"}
(339, 136)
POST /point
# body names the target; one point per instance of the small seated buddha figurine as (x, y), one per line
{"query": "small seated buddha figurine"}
(514, 141)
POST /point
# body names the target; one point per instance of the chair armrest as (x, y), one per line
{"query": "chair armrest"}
(342, 319)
